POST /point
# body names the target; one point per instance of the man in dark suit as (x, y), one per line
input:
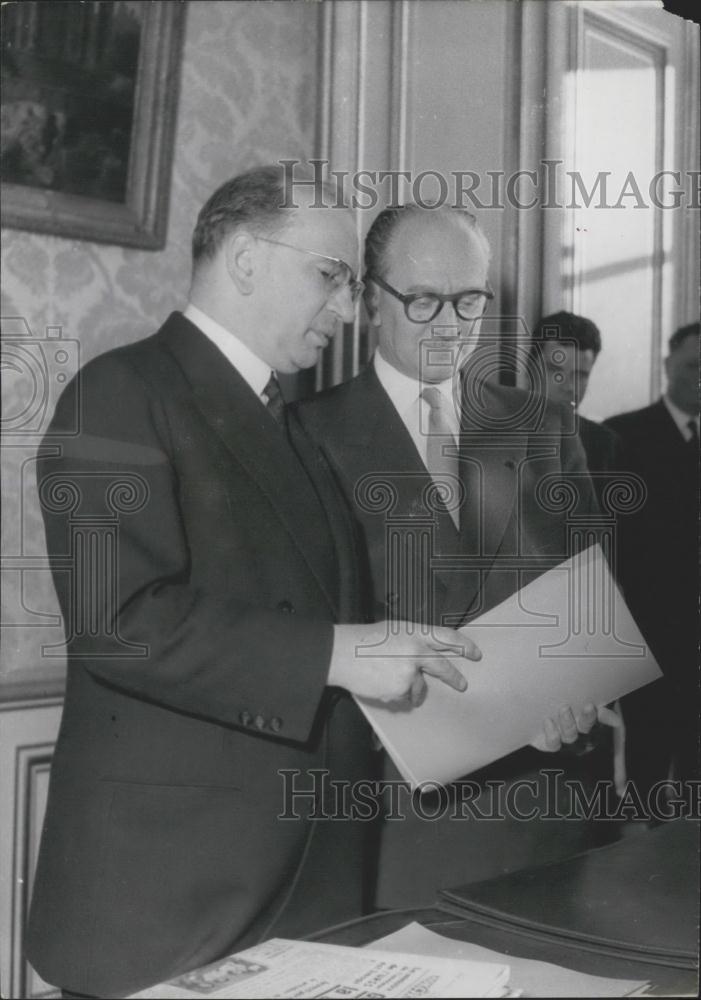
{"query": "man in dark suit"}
(393, 433)
(564, 348)
(204, 562)
(659, 568)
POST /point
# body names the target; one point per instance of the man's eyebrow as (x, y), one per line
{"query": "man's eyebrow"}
(421, 288)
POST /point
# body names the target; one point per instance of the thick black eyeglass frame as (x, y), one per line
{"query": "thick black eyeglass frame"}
(441, 299)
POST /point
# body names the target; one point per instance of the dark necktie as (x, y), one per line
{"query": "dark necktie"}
(275, 403)
(693, 440)
(441, 457)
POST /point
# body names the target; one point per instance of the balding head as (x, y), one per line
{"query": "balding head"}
(410, 251)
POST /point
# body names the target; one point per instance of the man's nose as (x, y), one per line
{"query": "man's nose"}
(448, 313)
(446, 321)
(341, 303)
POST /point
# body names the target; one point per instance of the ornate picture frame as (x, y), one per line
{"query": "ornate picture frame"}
(88, 118)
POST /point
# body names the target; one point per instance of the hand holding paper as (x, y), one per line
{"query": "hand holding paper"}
(566, 639)
(401, 657)
(567, 728)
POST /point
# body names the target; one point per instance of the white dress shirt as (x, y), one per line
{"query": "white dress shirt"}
(249, 366)
(681, 419)
(405, 394)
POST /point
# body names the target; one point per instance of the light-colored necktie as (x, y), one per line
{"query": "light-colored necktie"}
(441, 455)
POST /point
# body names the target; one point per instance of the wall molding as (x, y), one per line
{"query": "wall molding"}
(364, 123)
(28, 732)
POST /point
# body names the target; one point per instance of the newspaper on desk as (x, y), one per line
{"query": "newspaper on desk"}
(534, 977)
(282, 968)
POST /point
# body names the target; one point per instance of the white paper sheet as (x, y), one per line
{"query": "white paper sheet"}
(567, 638)
(536, 979)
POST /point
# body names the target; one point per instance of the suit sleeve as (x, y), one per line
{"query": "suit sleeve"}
(134, 618)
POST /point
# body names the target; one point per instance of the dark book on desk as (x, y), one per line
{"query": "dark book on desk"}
(638, 898)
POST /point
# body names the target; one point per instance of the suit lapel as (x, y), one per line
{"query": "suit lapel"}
(669, 434)
(251, 434)
(490, 466)
(385, 440)
(339, 518)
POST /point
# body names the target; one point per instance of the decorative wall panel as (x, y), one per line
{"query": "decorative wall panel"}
(247, 96)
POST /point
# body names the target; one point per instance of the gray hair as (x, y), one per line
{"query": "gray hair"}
(258, 199)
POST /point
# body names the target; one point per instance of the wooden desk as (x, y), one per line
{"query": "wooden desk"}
(628, 910)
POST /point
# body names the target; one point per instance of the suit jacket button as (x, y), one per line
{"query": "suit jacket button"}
(259, 722)
(286, 607)
(245, 718)
(276, 724)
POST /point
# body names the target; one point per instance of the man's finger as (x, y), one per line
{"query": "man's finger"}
(444, 670)
(567, 725)
(608, 717)
(459, 644)
(417, 691)
(586, 718)
(552, 736)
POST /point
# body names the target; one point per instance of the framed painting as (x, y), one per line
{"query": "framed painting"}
(88, 111)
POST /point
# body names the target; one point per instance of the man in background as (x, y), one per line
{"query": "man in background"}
(564, 348)
(659, 568)
(206, 647)
(421, 415)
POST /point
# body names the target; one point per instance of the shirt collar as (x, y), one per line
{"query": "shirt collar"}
(680, 418)
(249, 366)
(403, 390)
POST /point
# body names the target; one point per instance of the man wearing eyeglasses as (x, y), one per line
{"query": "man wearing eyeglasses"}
(439, 461)
(211, 642)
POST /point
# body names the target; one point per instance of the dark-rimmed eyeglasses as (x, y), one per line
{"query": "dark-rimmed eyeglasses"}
(338, 275)
(422, 307)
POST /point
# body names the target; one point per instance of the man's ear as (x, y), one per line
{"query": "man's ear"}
(666, 368)
(372, 304)
(239, 259)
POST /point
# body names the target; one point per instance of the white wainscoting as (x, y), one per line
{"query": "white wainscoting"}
(28, 731)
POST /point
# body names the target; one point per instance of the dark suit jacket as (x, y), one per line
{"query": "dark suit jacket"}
(516, 453)
(659, 572)
(203, 678)
(660, 567)
(505, 464)
(603, 450)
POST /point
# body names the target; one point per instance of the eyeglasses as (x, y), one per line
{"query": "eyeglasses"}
(422, 307)
(338, 275)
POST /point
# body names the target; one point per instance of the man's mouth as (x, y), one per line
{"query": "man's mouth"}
(323, 338)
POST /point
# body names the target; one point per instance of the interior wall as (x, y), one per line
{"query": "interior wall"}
(462, 104)
(247, 96)
(429, 91)
(472, 101)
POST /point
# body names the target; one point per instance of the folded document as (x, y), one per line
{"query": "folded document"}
(567, 638)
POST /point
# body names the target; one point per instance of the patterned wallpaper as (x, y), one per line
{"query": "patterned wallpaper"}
(247, 96)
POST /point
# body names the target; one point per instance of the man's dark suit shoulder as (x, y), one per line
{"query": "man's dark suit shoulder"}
(642, 425)
(602, 445)
(333, 406)
(139, 363)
